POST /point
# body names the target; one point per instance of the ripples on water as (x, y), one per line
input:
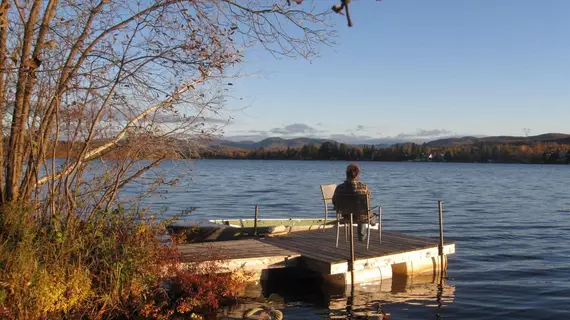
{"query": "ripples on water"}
(511, 225)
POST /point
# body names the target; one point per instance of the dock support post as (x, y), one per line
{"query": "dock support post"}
(440, 205)
(380, 224)
(255, 220)
(442, 258)
(351, 249)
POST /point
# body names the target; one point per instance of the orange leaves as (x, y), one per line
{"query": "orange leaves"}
(4, 13)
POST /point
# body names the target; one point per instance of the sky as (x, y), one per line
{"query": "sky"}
(417, 69)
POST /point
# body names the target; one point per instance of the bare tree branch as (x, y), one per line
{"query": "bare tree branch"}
(122, 81)
(97, 151)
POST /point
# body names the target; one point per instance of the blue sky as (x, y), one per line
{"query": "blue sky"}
(418, 69)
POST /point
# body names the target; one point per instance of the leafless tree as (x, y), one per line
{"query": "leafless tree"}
(83, 79)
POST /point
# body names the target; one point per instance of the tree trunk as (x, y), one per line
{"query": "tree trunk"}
(19, 118)
(4, 6)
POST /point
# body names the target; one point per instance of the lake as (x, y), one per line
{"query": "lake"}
(511, 225)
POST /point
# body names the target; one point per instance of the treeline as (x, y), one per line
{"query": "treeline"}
(540, 152)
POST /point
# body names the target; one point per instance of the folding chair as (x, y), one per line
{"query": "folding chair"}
(359, 207)
(327, 190)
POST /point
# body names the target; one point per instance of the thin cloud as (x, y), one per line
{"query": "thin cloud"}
(293, 129)
(360, 128)
(423, 133)
(172, 118)
(247, 137)
(257, 132)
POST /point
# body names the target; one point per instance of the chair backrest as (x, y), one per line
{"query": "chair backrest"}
(356, 204)
(327, 191)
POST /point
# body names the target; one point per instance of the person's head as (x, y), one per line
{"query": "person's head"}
(352, 172)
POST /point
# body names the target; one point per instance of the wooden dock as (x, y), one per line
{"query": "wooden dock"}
(316, 250)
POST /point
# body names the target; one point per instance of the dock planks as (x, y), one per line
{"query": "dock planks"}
(230, 250)
(316, 250)
(320, 248)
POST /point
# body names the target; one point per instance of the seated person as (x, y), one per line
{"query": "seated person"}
(352, 186)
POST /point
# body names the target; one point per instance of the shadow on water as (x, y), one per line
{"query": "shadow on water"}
(303, 295)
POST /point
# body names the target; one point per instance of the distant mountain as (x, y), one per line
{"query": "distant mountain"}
(447, 142)
(548, 137)
(280, 143)
(269, 143)
(385, 142)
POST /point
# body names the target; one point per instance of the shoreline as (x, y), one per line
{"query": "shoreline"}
(385, 161)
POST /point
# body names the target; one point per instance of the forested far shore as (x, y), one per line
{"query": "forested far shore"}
(550, 152)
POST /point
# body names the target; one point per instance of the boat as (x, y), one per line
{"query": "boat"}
(233, 229)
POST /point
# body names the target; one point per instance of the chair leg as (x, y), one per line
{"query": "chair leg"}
(368, 232)
(368, 235)
(380, 224)
(350, 231)
(337, 232)
(346, 232)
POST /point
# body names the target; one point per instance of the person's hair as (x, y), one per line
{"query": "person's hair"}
(352, 171)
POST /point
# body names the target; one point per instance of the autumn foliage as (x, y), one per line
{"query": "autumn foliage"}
(84, 81)
(108, 267)
(536, 152)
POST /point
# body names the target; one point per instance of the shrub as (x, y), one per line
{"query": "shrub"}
(109, 265)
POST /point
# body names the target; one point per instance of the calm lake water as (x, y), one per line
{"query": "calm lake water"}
(511, 225)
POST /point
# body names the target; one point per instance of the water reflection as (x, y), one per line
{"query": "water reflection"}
(372, 299)
(303, 296)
